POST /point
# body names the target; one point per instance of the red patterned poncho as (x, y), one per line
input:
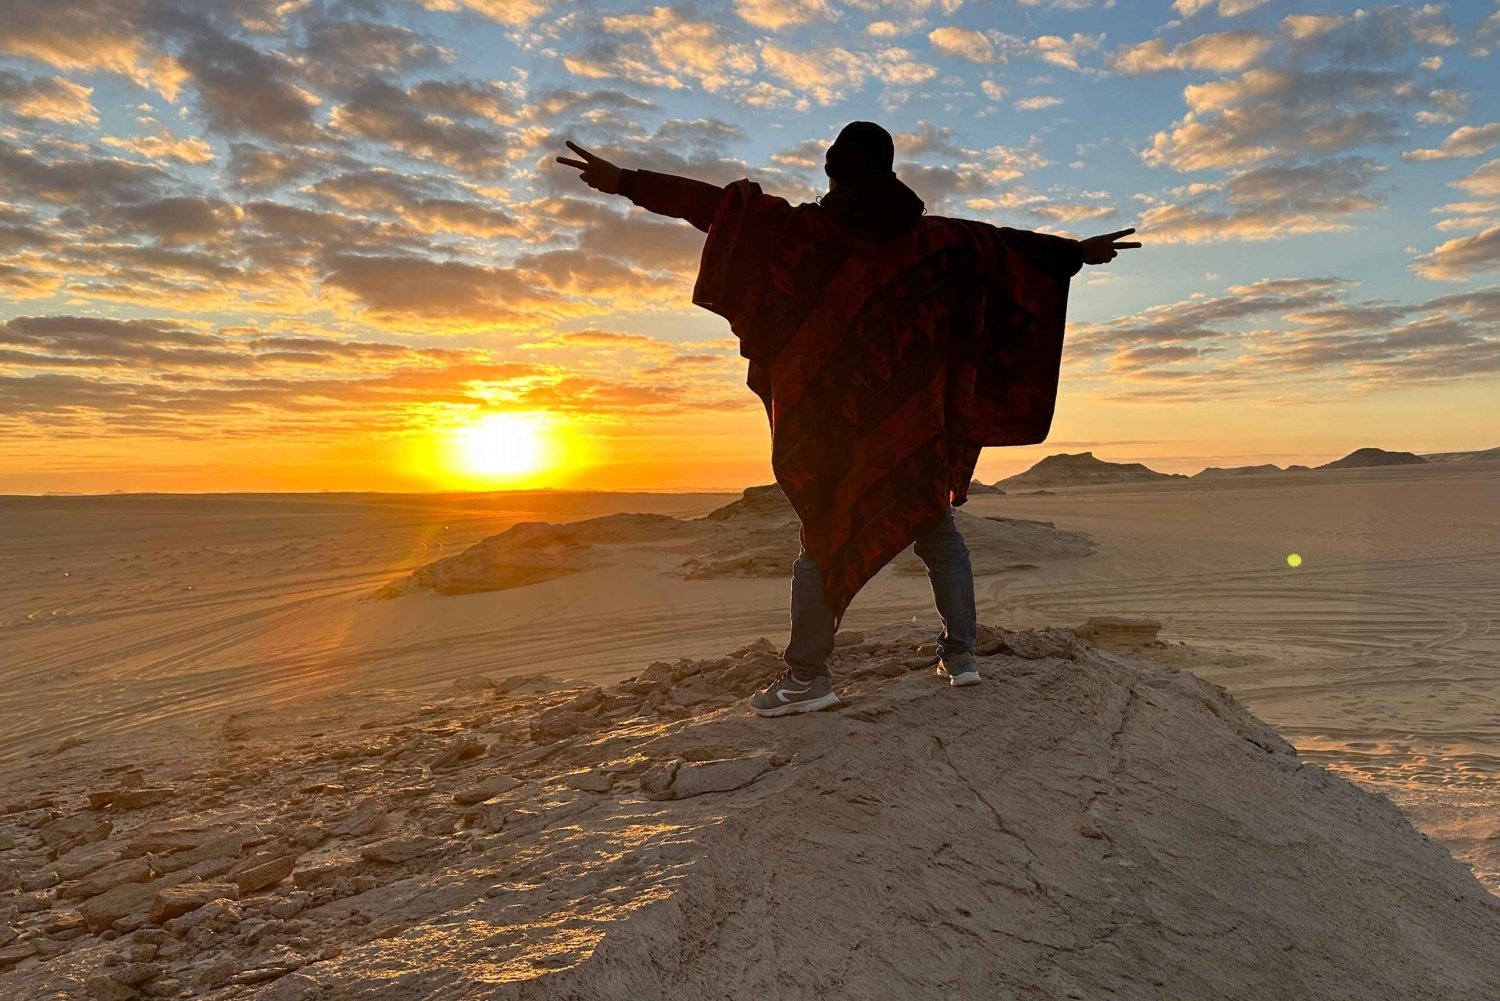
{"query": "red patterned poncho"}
(886, 366)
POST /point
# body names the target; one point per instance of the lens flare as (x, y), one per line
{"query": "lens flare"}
(1293, 560)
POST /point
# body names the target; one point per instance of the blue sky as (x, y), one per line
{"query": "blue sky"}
(338, 223)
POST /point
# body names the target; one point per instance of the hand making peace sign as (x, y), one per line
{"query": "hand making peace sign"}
(1103, 249)
(597, 172)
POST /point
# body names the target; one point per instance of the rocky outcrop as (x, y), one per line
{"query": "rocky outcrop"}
(1362, 458)
(1082, 469)
(1119, 632)
(1083, 824)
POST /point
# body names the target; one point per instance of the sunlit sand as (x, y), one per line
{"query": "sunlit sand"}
(138, 618)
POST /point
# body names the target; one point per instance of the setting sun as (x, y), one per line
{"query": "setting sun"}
(504, 445)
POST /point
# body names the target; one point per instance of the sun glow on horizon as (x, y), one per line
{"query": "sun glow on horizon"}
(499, 451)
(505, 445)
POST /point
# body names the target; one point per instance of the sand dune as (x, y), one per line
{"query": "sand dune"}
(1084, 824)
(757, 535)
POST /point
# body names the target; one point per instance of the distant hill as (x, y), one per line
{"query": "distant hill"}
(1214, 472)
(1083, 469)
(1482, 455)
(1362, 458)
(976, 488)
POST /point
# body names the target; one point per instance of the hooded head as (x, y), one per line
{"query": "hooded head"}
(863, 151)
(864, 195)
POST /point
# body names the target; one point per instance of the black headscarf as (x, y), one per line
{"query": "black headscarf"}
(870, 201)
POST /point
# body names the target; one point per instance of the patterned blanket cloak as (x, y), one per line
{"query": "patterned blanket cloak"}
(884, 367)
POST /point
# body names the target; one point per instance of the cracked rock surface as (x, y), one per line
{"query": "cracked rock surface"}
(1084, 824)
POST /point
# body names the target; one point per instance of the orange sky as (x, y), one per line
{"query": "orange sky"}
(257, 245)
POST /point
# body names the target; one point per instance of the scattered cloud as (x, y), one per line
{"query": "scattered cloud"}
(51, 99)
(1461, 258)
(1226, 52)
(1466, 140)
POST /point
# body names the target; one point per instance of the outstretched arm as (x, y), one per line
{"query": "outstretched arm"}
(664, 194)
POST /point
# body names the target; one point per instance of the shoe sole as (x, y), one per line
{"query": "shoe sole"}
(959, 681)
(811, 705)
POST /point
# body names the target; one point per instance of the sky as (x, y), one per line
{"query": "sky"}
(297, 245)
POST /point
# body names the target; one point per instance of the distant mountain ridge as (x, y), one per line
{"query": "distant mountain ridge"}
(1214, 472)
(1084, 469)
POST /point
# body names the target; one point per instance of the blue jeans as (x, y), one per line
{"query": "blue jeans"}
(940, 546)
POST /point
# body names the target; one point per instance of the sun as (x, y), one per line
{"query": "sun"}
(504, 446)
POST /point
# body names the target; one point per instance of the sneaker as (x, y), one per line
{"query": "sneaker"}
(790, 694)
(959, 670)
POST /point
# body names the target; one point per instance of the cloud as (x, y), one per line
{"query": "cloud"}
(162, 144)
(516, 13)
(1037, 103)
(181, 220)
(1301, 27)
(779, 14)
(698, 50)
(72, 177)
(1268, 203)
(368, 45)
(561, 102)
(1227, 8)
(88, 35)
(469, 99)
(256, 168)
(1462, 258)
(1466, 140)
(966, 43)
(242, 89)
(1351, 83)
(382, 112)
(1273, 332)
(443, 295)
(54, 99)
(1226, 52)
(827, 74)
(1484, 181)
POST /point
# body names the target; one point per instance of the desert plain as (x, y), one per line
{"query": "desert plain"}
(139, 632)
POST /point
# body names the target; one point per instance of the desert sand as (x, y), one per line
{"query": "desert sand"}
(306, 682)
(1085, 824)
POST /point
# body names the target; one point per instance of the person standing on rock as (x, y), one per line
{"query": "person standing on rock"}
(889, 348)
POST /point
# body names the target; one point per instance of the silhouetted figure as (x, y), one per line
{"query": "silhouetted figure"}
(889, 348)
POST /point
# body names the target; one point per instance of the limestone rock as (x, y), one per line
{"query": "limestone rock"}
(488, 788)
(135, 870)
(264, 875)
(75, 830)
(177, 900)
(591, 780)
(367, 817)
(460, 748)
(1036, 644)
(105, 989)
(1119, 632)
(695, 778)
(138, 799)
(396, 851)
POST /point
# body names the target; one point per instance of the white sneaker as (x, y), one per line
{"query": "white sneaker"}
(961, 670)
